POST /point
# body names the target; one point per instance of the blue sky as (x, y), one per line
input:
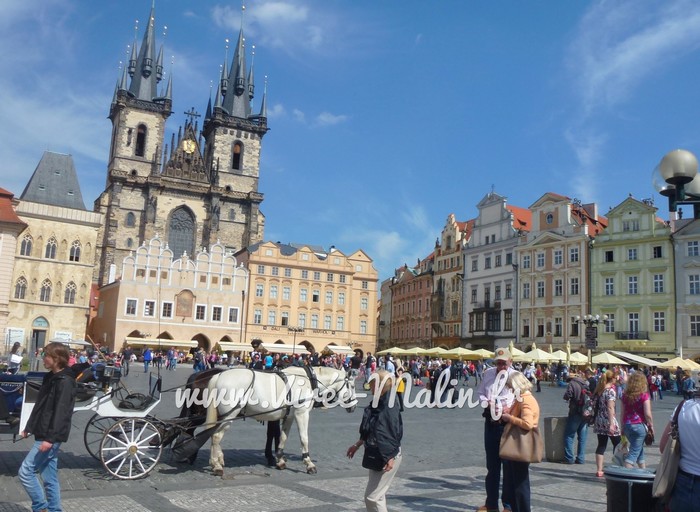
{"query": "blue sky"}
(385, 116)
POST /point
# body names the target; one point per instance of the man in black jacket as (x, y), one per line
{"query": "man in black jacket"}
(50, 424)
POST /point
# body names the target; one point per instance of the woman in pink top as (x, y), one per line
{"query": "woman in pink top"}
(636, 418)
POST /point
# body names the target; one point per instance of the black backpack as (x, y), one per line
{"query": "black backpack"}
(586, 405)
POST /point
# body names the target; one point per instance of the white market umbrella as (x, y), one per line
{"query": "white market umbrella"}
(536, 356)
(558, 355)
(578, 359)
(685, 364)
(458, 353)
(608, 359)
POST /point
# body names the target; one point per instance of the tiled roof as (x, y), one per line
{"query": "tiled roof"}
(55, 183)
(522, 217)
(7, 212)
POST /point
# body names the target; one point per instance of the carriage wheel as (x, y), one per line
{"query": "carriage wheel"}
(95, 431)
(131, 448)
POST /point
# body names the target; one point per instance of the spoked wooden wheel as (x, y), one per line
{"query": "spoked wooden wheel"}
(95, 431)
(131, 448)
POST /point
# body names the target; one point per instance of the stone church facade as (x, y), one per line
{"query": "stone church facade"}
(198, 188)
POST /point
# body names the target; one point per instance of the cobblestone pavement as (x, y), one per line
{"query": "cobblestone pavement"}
(443, 467)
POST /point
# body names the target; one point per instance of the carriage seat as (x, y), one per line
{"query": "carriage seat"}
(136, 402)
(93, 377)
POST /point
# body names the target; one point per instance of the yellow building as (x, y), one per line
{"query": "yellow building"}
(305, 295)
(163, 301)
(55, 257)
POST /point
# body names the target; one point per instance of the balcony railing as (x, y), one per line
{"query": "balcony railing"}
(632, 335)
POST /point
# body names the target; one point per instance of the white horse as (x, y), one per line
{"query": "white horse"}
(288, 395)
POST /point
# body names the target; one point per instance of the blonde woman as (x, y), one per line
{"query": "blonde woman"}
(636, 413)
(525, 414)
(606, 424)
(381, 432)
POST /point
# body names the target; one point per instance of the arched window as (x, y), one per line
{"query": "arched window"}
(74, 251)
(130, 220)
(237, 156)
(20, 288)
(141, 140)
(181, 231)
(69, 296)
(129, 242)
(26, 248)
(45, 295)
(50, 249)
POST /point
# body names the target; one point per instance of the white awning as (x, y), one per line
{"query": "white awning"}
(635, 358)
(339, 349)
(162, 342)
(235, 347)
(282, 348)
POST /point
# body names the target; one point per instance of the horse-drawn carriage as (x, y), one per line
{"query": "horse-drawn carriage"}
(121, 434)
(128, 440)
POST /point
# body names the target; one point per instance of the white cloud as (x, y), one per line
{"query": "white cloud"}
(276, 111)
(616, 47)
(619, 44)
(299, 115)
(328, 119)
(405, 242)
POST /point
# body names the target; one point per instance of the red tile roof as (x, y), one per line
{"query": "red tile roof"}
(522, 217)
(7, 211)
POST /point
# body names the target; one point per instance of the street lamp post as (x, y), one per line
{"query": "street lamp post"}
(295, 330)
(676, 178)
(591, 334)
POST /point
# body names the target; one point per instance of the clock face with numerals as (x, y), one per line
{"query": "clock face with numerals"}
(188, 146)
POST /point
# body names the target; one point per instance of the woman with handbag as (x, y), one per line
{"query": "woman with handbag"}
(524, 415)
(686, 489)
(381, 432)
(636, 418)
(606, 425)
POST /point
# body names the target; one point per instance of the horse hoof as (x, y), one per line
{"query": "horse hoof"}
(311, 471)
(281, 465)
(218, 472)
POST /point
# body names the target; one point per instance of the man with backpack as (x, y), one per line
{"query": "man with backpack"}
(579, 397)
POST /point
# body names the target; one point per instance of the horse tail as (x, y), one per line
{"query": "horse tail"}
(212, 408)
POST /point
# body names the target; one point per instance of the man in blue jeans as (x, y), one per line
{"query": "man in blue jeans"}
(575, 424)
(496, 398)
(50, 424)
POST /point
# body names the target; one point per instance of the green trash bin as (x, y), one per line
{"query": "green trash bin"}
(629, 489)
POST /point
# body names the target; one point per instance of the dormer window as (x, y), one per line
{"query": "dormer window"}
(549, 218)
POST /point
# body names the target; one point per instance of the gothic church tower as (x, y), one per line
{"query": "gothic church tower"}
(201, 187)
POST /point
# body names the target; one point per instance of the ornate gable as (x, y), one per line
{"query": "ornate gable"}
(185, 161)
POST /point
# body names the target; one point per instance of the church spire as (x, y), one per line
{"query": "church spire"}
(236, 102)
(146, 73)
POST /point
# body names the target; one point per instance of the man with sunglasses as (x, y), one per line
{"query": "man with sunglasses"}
(496, 399)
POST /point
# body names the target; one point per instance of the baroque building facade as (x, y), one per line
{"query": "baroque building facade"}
(686, 245)
(11, 227)
(632, 281)
(197, 189)
(490, 301)
(553, 270)
(448, 275)
(410, 313)
(304, 295)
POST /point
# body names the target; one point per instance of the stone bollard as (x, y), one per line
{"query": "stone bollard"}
(554, 438)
